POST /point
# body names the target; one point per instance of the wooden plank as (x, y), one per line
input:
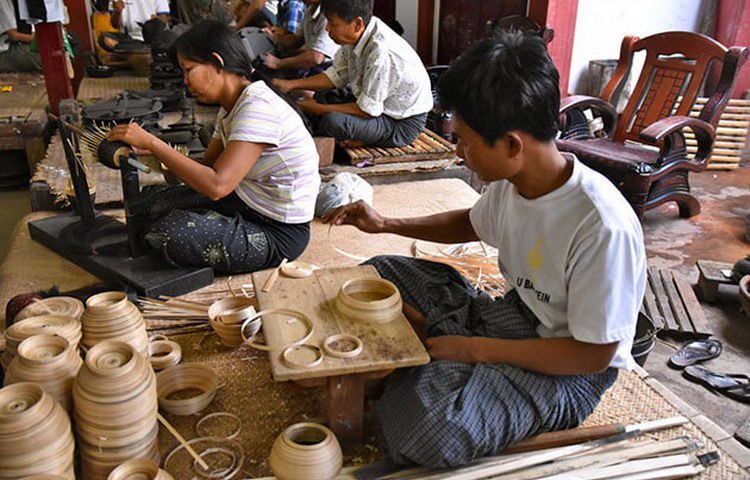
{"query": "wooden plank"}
(386, 346)
(649, 302)
(675, 303)
(692, 306)
(662, 301)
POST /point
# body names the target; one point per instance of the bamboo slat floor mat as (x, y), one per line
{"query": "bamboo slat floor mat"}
(428, 146)
(731, 142)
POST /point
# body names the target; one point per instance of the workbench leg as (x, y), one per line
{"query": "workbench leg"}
(35, 148)
(345, 404)
(707, 290)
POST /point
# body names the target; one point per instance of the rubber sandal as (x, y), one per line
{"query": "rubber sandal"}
(695, 352)
(743, 433)
(728, 384)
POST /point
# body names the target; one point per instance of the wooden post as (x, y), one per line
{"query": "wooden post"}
(425, 30)
(54, 63)
(559, 15)
(345, 404)
(79, 25)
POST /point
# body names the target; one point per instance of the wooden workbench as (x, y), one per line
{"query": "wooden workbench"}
(23, 116)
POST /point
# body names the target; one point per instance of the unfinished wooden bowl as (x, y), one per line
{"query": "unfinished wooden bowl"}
(187, 377)
(111, 316)
(115, 408)
(65, 306)
(164, 354)
(139, 469)
(373, 300)
(35, 435)
(49, 361)
(306, 450)
(226, 317)
(67, 327)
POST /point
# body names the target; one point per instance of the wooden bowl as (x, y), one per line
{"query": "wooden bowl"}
(226, 317)
(111, 316)
(65, 306)
(67, 327)
(370, 300)
(306, 450)
(186, 377)
(139, 469)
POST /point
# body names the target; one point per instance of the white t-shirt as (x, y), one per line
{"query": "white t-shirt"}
(141, 11)
(283, 183)
(575, 255)
(7, 22)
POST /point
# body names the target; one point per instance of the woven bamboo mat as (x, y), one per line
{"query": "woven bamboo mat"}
(104, 88)
(731, 143)
(428, 146)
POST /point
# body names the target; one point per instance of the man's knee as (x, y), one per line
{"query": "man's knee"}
(335, 124)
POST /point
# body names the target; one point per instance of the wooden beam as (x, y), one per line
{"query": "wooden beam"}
(425, 30)
(560, 16)
(54, 63)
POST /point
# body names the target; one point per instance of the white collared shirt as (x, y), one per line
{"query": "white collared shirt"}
(316, 36)
(384, 72)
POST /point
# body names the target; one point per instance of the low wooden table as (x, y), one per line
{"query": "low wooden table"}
(23, 116)
(387, 346)
(711, 275)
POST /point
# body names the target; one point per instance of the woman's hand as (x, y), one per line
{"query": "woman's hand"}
(359, 214)
(133, 135)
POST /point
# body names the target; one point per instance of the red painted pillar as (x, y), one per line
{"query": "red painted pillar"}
(54, 63)
(80, 26)
(559, 15)
(733, 28)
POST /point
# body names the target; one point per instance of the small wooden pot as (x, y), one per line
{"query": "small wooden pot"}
(184, 377)
(65, 306)
(306, 450)
(49, 361)
(164, 354)
(111, 316)
(67, 327)
(139, 469)
(115, 404)
(35, 434)
(226, 317)
(373, 300)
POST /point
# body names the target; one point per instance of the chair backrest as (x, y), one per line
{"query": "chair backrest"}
(676, 67)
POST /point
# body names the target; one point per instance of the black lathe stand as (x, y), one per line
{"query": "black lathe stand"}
(106, 247)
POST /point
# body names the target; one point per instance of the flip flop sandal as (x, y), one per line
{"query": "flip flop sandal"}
(734, 386)
(695, 352)
(743, 433)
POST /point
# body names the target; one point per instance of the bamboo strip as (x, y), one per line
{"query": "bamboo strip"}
(718, 152)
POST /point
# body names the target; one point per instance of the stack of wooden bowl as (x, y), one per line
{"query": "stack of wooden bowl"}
(306, 450)
(67, 327)
(35, 435)
(226, 317)
(65, 306)
(139, 469)
(111, 316)
(49, 361)
(115, 409)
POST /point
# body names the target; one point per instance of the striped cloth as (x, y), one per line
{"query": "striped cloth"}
(283, 183)
(448, 413)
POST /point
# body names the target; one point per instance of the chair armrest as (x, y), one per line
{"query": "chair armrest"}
(583, 102)
(660, 132)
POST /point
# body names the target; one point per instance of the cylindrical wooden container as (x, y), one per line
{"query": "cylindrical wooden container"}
(226, 317)
(49, 361)
(115, 409)
(139, 469)
(65, 306)
(370, 300)
(111, 316)
(186, 376)
(306, 450)
(67, 327)
(35, 435)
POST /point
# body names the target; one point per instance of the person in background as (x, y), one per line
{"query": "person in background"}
(255, 13)
(15, 46)
(311, 49)
(128, 16)
(390, 89)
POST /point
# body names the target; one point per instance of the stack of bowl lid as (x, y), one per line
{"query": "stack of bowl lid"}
(66, 306)
(115, 410)
(139, 469)
(67, 327)
(226, 317)
(111, 316)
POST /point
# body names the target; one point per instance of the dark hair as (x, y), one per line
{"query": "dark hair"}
(506, 82)
(348, 10)
(211, 36)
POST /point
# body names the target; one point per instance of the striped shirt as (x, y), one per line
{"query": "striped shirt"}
(283, 183)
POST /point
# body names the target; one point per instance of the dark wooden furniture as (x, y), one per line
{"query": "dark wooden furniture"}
(644, 151)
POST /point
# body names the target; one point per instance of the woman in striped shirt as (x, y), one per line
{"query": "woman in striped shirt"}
(250, 204)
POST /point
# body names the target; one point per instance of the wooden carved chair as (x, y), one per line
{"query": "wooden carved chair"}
(644, 150)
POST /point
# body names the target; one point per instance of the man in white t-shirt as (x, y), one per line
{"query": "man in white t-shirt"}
(15, 54)
(570, 248)
(129, 16)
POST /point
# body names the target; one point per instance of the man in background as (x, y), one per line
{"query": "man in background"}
(15, 46)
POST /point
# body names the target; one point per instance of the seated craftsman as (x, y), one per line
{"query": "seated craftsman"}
(255, 13)
(15, 46)
(390, 89)
(309, 49)
(129, 19)
(249, 205)
(570, 246)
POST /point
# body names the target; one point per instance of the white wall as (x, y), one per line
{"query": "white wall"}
(406, 14)
(602, 24)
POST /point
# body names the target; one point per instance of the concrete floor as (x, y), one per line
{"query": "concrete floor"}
(716, 234)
